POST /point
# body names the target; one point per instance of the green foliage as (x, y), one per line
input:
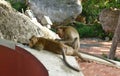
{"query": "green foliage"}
(17, 5)
(92, 8)
(85, 30)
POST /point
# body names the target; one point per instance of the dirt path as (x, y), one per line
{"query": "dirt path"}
(97, 47)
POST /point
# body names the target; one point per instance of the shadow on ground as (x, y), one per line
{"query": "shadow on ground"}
(97, 46)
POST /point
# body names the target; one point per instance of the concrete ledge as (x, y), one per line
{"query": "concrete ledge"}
(101, 61)
(54, 62)
(7, 43)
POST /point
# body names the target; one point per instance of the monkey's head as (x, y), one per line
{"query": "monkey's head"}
(33, 40)
(60, 31)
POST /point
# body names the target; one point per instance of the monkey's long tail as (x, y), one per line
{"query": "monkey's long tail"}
(65, 60)
(98, 57)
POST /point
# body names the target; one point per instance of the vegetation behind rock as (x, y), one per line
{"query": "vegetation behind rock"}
(91, 10)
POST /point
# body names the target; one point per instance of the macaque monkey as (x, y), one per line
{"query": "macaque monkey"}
(70, 37)
(40, 43)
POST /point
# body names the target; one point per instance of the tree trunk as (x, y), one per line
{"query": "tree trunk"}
(116, 39)
(113, 49)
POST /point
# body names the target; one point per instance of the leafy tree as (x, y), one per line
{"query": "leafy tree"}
(91, 8)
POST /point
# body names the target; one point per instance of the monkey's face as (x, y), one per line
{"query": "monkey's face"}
(33, 40)
(60, 32)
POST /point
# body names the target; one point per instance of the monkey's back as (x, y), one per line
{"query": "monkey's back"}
(72, 32)
(55, 46)
(52, 45)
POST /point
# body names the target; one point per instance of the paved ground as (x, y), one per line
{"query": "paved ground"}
(97, 47)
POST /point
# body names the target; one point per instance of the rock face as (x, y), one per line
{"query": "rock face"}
(58, 10)
(18, 27)
(109, 19)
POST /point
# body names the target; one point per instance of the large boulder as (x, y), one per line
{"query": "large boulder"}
(109, 18)
(59, 11)
(18, 27)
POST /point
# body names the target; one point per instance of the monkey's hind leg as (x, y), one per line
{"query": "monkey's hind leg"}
(80, 57)
(65, 60)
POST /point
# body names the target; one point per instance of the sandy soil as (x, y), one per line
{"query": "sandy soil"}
(97, 47)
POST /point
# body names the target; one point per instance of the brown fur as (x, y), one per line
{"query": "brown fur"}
(70, 37)
(40, 43)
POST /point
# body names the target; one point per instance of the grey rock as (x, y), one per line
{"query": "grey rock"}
(58, 10)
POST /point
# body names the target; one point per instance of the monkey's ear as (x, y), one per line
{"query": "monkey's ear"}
(32, 37)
